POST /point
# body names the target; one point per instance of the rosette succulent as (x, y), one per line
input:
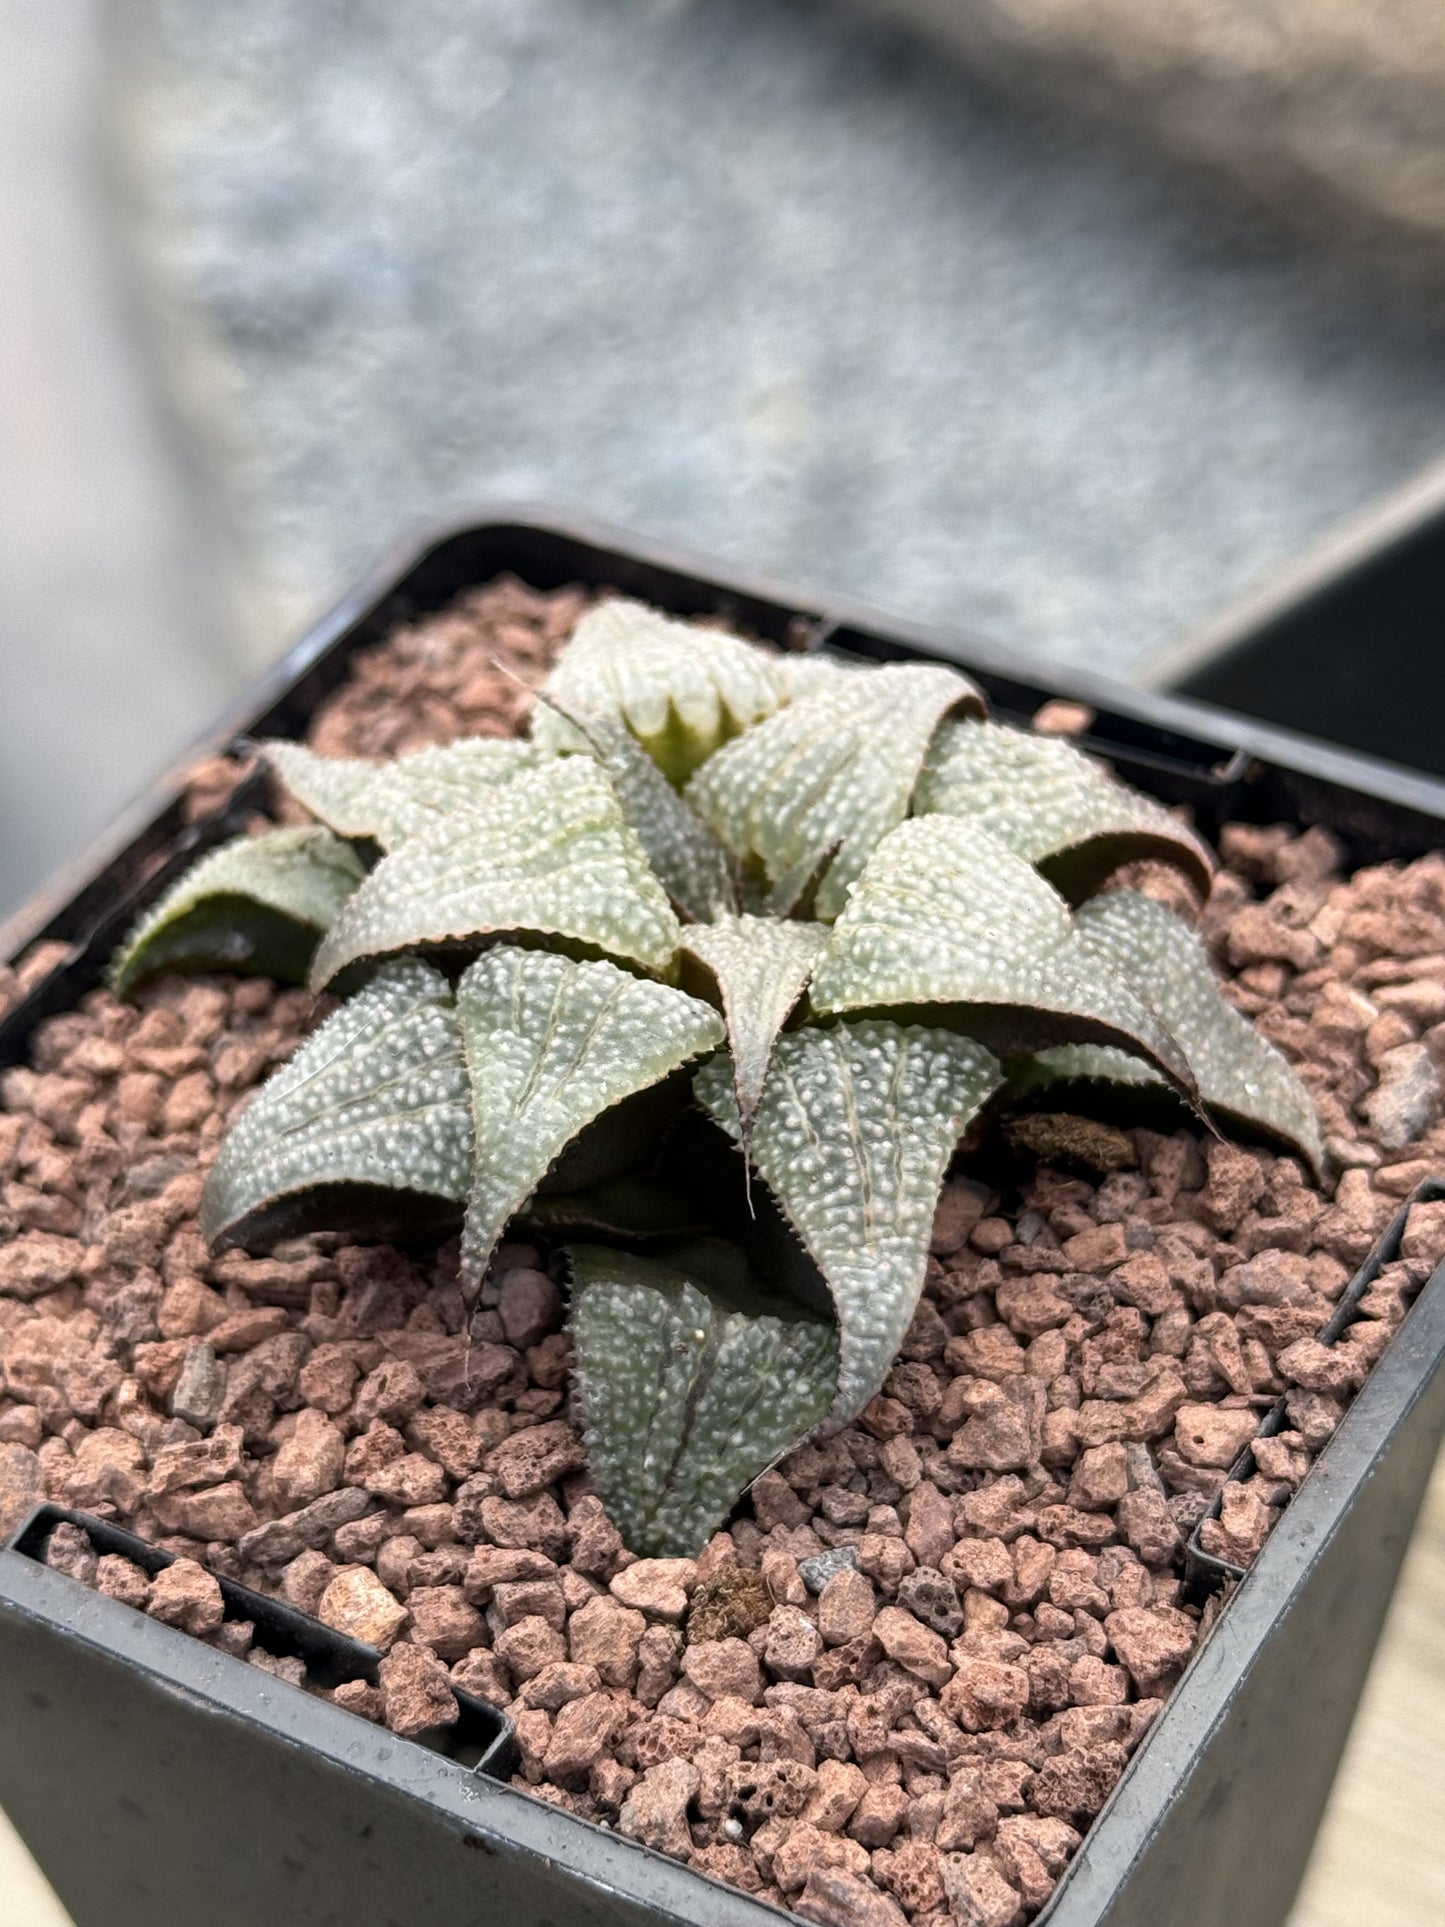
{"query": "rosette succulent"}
(704, 984)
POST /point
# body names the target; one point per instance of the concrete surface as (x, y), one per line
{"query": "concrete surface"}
(755, 274)
(113, 647)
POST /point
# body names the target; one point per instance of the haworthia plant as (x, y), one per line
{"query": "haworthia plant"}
(833, 771)
(1052, 805)
(714, 974)
(854, 1133)
(258, 904)
(691, 1385)
(1243, 1080)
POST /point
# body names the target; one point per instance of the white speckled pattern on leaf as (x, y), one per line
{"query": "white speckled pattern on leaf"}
(854, 1133)
(551, 1044)
(378, 1096)
(549, 853)
(681, 689)
(946, 914)
(392, 801)
(836, 768)
(1240, 1074)
(297, 878)
(1051, 804)
(761, 967)
(687, 859)
(687, 1394)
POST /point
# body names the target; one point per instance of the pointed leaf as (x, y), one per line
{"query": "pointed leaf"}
(258, 905)
(550, 1045)
(550, 853)
(687, 859)
(689, 1391)
(805, 673)
(1051, 804)
(946, 914)
(854, 1133)
(1240, 1074)
(836, 767)
(761, 967)
(374, 1103)
(681, 689)
(392, 801)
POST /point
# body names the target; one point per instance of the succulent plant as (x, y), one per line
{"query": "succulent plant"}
(704, 984)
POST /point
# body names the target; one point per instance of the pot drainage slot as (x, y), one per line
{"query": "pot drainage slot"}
(481, 1738)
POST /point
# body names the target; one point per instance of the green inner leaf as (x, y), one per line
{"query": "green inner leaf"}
(1241, 1076)
(853, 1135)
(373, 1105)
(551, 1045)
(687, 859)
(550, 853)
(834, 769)
(680, 688)
(690, 1388)
(392, 801)
(1052, 805)
(257, 905)
(760, 966)
(947, 914)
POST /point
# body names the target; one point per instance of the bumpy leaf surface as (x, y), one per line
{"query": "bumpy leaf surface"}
(550, 853)
(258, 905)
(377, 1099)
(1240, 1074)
(687, 859)
(855, 1130)
(680, 688)
(552, 1044)
(946, 914)
(761, 967)
(1051, 804)
(689, 1392)
(392, 801)
(836, 768)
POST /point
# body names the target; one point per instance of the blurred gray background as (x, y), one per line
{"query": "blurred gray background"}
(774, 278)
(1070, 320)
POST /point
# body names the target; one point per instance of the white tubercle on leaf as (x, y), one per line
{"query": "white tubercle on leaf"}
(761, 967)
(833, 771)
(947, 914)
(1240, 1074)
(681, 689)
(689, 1391)
(392, 801)
(376, 1098)
(687, 859)
(853, 1135)
(550, 854)
(1052, 805)
(551, 1044)
(257, 904)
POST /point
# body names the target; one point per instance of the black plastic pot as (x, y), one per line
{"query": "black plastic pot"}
(155, 1778)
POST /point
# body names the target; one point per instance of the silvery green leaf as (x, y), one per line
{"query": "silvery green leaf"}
(689, 1391)
(392, 801)
(368, 1126)
(760, 966)
(258, 905)
(549, 854)
(1051, 804)
(681, 689)
(550, 1045)
(807, 673)
(853, 1135)
(687, 859)
(945, 914)
(835, 768)
(1240, 1075)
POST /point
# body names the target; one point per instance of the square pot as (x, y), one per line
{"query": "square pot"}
(155, 1777)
